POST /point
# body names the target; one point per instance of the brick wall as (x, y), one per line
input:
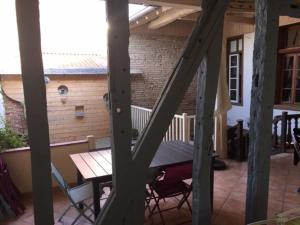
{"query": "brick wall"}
(156, 57)
(14, 115)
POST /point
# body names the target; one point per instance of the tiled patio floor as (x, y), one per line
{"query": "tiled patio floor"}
(229, 196)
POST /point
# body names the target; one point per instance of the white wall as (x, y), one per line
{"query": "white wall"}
(2, 114)
(243, 112)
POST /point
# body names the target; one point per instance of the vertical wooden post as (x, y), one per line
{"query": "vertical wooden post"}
(283, 136)
(261, 112)
(91, 142)
(206, 96)
(36, 108)
(126, 203)
(185, 127)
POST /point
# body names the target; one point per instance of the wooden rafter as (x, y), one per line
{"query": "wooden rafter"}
(154, 14)
(230, 17)
(290, 8)
(234, 5)
(36, 109)
(183, 4)
(261, 111)
(169, 17)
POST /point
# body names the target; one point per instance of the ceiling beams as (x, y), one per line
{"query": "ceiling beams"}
(168, 11)
(186, 4)
(290, 8)
(169, 17)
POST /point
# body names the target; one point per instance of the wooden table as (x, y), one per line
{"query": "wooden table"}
(96, 166)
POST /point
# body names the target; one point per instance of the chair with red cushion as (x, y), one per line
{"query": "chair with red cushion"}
(172, 185)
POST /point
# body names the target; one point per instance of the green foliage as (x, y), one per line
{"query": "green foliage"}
(10, 139)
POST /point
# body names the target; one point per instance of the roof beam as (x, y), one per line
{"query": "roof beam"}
(169, 17)
(290, 8)
(183, 4)
(240, 19)
(232, 17)
(154, 14)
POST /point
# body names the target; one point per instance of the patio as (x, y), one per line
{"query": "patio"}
(229, 196)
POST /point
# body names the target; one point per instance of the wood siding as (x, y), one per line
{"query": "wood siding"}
(84, 91)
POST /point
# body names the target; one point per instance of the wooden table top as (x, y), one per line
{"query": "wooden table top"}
(97, 164)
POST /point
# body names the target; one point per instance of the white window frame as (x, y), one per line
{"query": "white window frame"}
(237, 78)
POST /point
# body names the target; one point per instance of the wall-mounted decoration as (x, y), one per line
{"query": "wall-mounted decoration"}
(63, 92)
(79, 111)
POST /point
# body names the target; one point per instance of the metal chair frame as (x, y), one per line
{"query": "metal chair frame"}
(76, 195)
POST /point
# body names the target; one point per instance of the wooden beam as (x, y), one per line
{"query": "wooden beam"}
(131, 210)
(241, 6)
(148, 17)
(261, 111)
(169, 17)
(290, 8)
(206, 97)
(121, 208)
(239, 19)
(36, 108)
(230, 17)
(178, 82)
(183, 4)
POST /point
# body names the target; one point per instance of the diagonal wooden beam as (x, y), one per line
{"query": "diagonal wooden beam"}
(36, 108)
(261, 111)
(290, 8)
(178, 83)
(206, 97)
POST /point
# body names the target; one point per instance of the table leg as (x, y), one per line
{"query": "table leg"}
(79, 182)
(96, 193)
(212, 184)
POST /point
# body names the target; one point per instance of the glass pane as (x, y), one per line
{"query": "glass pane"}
(233, 60)
(233, 95)
(298, 66)
(233, 72)
(233, 84)
(241, 44)
(293, 39)
(288, 62)
(297, 96)
(298, 83)
(233, 46)
(286, 95)
(287, 78)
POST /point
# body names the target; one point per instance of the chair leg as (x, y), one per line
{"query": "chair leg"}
(160, 213)
(64, 213)
(184, 199)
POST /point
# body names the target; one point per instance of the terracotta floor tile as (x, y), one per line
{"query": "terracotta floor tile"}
(229, 197)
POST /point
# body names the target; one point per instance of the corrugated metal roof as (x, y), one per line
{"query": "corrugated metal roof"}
(60, 63)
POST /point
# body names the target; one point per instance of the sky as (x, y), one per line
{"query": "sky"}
(67, 26)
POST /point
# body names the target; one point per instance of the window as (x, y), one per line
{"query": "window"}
(288, 88)
(235, 68)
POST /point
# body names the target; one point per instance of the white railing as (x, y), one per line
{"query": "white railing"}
(182, 127)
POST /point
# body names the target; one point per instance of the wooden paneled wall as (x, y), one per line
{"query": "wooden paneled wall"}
(84, 91)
